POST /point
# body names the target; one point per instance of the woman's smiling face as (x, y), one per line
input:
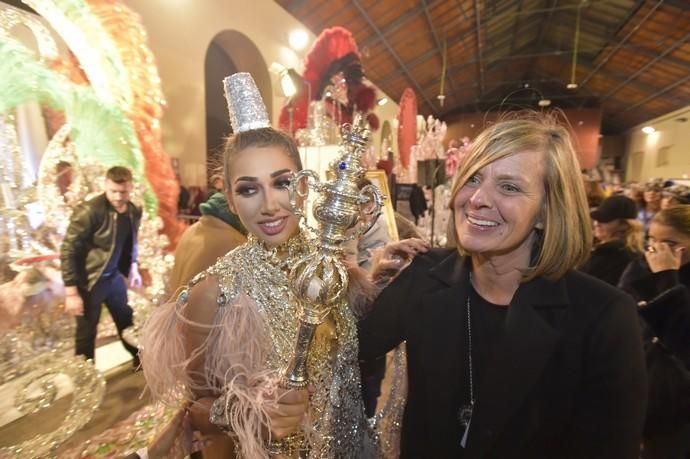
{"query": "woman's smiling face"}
(497, 209)
(258, 194)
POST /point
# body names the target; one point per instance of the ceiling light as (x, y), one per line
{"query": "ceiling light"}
(544, 102)
(382, 101)
(648, 130)
(572, 86)
(298, 39)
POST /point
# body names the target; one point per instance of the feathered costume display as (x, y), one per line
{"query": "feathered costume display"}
(333, 57)
(113, 108)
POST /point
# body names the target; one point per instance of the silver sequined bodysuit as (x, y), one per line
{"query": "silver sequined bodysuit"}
(336, 412)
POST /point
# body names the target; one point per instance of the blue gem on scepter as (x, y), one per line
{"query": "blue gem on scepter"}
(342, 166)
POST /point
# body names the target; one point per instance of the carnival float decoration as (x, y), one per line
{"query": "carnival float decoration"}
(103, 104)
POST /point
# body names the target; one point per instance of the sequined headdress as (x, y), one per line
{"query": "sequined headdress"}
(245, 106)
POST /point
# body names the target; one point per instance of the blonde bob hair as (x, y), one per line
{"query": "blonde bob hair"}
(566, 238)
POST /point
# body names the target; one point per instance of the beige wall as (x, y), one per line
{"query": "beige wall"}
(180, 32)
(665, 153)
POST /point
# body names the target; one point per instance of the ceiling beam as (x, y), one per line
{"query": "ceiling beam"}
(480, 64)
(529, 52)
(463, 11)
(310, 17)
(458, 38)
(508, 100)
(516, 83)
(633, 11)
(547, 10)
(295, 5)
(552, 78)
(516, 27)
(390, 49)
(639, 72)
(658, 93)
(605, 60)
(615, 76)
(393, 26)
(542, 32)
(466, 16)
(637, 48)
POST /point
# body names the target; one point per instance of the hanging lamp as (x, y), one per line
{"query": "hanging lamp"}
(442, 96)
(573, 85)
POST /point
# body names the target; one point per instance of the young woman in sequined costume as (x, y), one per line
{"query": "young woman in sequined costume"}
(225, 339)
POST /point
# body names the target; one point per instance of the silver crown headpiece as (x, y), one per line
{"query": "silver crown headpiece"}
(245, 105)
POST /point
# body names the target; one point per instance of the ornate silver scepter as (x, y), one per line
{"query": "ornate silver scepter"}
(343, 212)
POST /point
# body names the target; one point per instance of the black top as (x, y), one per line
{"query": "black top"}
(122, 240)
(565, 378)
(608, 261)
(488, 321)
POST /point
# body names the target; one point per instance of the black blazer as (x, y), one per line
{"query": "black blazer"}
(567, 379)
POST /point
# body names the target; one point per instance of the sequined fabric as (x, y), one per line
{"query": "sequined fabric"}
(338, 428)
(245, 105)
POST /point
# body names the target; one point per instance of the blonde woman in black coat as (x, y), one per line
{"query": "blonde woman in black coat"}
(511, 352)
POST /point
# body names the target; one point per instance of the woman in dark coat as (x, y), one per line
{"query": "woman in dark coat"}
(663, 288)
(619, 236)
(512, 353)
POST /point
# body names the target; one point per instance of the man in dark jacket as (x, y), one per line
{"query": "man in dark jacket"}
(98, 252)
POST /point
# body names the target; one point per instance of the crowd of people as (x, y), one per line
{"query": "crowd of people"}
(642, 236)
(556, 326)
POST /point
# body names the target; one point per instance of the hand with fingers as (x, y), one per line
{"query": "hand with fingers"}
(661, 257)
(388, 261)
(135, 279)
(177, 439)
(74, 305)
(287, 414)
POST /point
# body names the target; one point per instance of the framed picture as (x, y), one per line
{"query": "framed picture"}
(378, 178)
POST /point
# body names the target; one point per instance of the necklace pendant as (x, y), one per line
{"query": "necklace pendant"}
(465, 415)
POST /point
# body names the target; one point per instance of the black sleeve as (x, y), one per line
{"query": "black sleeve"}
(75, 244)
(610, 409)
(668, 315)
(384, 327)
(647, 284)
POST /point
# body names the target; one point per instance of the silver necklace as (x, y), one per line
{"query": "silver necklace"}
(465, 412)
